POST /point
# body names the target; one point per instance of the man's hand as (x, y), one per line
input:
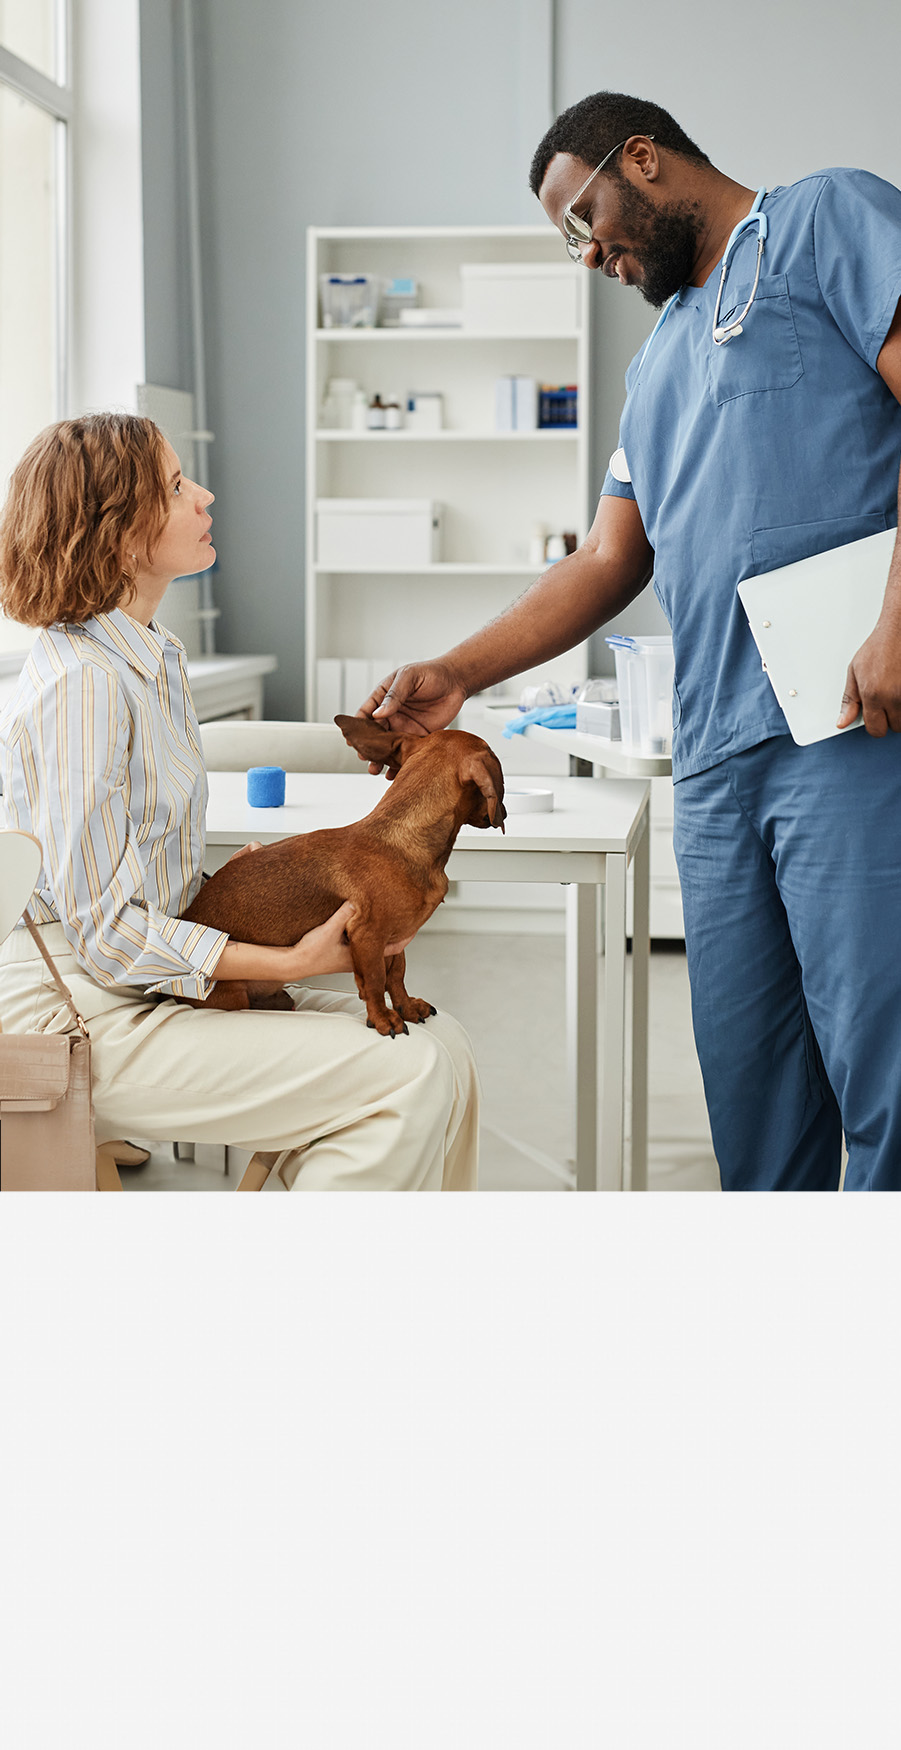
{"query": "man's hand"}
(873, 684)
(563, 606)
(415, 701)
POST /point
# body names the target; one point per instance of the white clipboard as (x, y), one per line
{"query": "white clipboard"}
(809, 620)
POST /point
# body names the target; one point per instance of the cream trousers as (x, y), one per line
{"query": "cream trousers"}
(345, 1108)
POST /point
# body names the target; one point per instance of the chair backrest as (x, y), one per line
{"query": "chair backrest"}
(298, 747)
(20, 865)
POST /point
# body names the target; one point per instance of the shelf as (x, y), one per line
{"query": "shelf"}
(448, 569)
(554, 435)
(385, 334)
(492, 492)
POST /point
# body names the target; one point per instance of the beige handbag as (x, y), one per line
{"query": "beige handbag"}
(46, 1115)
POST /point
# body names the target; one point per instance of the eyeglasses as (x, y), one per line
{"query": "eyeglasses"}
(576, 231)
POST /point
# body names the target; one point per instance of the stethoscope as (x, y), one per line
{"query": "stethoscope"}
(722, 332)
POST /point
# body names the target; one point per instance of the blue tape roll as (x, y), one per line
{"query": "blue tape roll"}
(266, 786)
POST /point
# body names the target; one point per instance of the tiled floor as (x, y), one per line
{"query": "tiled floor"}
(508, 992)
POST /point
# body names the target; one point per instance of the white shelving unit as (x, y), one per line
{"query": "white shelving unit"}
(493, 485)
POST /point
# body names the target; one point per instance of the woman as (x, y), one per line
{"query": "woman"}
(102, 763)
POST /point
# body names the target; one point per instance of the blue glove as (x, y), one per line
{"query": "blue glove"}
(552, 716)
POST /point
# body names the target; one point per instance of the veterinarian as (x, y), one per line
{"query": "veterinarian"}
(102, 763)
(761, 425)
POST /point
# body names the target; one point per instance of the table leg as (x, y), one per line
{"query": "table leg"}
(612, 1109)
(582, 1027)
(640, 967)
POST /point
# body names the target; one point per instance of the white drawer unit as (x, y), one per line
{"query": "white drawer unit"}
(666, 894)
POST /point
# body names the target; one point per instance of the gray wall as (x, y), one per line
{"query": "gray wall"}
(349, 115)
(167, 333)
(408, 113)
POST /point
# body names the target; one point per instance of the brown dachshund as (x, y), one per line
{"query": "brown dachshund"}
(390, 865)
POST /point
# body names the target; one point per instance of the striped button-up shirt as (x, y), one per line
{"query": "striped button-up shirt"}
(102, 763)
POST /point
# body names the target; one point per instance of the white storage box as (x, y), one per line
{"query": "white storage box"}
(355, 533)
(598, 717)
(521, 297)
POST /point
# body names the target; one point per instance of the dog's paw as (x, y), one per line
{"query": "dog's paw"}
(415, 1009)
(389, 1024)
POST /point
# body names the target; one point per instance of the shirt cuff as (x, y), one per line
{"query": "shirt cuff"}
(613, 488)
(202, 948)
(879, 334)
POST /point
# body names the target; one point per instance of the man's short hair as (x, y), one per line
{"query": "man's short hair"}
(595, 125)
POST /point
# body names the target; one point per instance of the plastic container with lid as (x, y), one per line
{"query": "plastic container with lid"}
(349, 300)
(645, 671)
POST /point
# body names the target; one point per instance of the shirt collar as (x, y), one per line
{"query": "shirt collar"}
(142, 646)
(689, 295)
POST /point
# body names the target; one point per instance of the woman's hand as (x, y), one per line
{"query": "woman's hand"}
(326, 948)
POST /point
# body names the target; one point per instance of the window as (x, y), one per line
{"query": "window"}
(30, 29)
(35, 108)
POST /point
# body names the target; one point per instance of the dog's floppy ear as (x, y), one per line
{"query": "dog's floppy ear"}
(370, 739)
(484, 769)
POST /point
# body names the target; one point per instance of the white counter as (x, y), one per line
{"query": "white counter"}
(221, 686)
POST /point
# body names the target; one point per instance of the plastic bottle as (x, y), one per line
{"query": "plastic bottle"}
(537, 538)
(359, 413)
(394, 418)
(342, 391)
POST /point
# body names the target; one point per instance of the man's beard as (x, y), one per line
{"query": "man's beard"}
(668, 250)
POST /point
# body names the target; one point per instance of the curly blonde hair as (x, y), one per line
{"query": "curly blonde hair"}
(83, 489)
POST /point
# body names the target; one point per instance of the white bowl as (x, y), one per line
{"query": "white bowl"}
(529, 801)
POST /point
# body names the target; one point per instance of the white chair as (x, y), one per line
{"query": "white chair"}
(20, 866)
(298, 747)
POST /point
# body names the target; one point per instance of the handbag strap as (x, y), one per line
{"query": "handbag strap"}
(63, 989)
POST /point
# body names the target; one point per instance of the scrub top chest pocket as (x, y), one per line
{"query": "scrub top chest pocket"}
(766, 354)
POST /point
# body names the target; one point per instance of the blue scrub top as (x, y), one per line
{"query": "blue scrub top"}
(780, 444)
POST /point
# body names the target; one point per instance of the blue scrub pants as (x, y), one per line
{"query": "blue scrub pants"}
(790, 863)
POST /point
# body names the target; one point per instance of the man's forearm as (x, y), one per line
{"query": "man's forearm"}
(891, 607)
(563, 607)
